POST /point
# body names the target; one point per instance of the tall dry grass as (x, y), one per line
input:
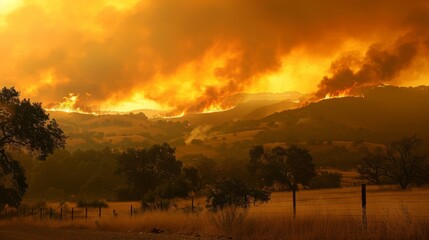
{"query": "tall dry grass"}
(322, 214)
(240, 224)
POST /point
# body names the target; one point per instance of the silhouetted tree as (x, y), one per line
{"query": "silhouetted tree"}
(176, 187)
(146, 169)
(234, 193)
(288, 167)
(207, 170)
(193, 177)
(370, 168)
(402, 162)
(24, 125)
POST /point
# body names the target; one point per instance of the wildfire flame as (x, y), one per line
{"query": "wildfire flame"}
(69, 105)
(340, 94)
(215, 108)
(210, 109)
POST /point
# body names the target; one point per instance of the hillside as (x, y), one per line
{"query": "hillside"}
(136, 129)
(382, 114)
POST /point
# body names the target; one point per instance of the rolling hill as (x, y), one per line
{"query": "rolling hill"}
(382, 114)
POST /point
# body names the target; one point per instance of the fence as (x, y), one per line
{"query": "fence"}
(346, 202)
(67, 213)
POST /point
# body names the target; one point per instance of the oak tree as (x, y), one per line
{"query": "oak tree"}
(287, 167)
(23, 125)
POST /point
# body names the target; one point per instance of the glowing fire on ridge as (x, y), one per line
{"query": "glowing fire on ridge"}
(210, 109)
(341, 94)
(69, 105)
(215, 108)
(175, 116)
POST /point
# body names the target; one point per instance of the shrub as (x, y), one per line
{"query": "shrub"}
(229, 219)
(92, 203)
(234, 193)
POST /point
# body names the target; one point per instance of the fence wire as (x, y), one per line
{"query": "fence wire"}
(349, 204)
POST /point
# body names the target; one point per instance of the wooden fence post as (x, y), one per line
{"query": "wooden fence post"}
(192, 208)
(72, 214)
(23, 213)
(364, 218)
(17, 211)
(50, 213)
(61, 214)
(86, 214)
(131, 210)
(41, 213)
(99, 212)
(294, 202)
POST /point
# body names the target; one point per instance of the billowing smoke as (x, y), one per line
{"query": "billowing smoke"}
(200, 133)
(382, 62)
(190, 55)
(379, 66)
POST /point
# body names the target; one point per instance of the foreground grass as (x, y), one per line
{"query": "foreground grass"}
(239, 223)
(321, 214)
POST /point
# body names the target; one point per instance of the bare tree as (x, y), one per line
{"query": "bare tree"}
(370, 168)
(402, 162)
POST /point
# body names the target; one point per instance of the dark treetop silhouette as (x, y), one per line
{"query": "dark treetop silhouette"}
(23, 125)
(402, 162)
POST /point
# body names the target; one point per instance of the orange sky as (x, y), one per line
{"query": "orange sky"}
(189, 55)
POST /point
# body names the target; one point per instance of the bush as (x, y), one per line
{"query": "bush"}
(234, 193)
(229, 219)
(325, 179)
(92, 203)
(151, 202)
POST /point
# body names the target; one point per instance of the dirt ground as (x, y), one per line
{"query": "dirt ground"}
(40, 233)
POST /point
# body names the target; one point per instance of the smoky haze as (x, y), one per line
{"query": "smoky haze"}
(189, 55)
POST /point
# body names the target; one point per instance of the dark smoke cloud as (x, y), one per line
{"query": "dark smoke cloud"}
(382, 63)
(379, 66)
(93, 47)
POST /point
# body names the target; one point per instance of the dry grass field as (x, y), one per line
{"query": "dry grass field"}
(321, 214)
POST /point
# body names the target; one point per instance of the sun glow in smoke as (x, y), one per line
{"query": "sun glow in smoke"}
(8, 5)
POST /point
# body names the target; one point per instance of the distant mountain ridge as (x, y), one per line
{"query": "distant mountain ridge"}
(382, 114)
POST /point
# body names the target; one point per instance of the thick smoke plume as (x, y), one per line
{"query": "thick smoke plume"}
(382, 63)
(192, 55)
(379, 66)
